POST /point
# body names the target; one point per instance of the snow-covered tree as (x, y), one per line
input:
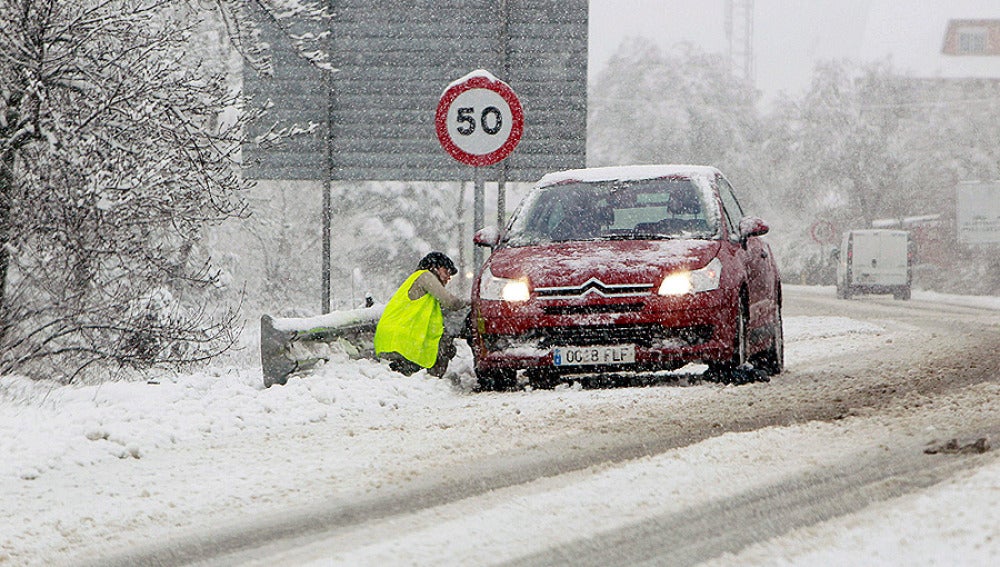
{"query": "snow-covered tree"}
(302, 22)
(116, 150)
(846, 143)
(385, 228)
(953, 135)
(682, 106)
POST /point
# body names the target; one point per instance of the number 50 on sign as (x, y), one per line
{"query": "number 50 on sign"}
(479, 119)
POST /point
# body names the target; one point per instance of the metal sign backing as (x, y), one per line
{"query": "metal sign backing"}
(373, 118)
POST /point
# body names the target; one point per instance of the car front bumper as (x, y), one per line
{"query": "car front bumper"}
(666, 332)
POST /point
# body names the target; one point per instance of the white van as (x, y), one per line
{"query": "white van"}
(875, 261)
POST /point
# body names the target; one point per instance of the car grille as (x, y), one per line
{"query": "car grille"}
(595, 286)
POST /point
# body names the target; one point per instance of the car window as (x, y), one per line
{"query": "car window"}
(731, 207)
(622, 209)
(572, 212)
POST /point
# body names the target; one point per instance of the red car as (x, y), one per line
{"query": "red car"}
(619, 269)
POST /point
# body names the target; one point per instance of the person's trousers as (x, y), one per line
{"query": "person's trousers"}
(446, 352)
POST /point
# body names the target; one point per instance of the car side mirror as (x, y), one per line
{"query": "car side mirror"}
(752, 226)
(487, 236)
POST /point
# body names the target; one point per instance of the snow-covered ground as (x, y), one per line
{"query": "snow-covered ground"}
(93, 468)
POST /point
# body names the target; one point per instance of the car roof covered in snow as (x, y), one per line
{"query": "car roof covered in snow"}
(628, 173)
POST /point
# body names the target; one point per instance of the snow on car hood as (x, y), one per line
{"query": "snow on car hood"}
(611, 261)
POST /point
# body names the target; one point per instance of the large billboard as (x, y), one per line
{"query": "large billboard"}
(978, 213)
(393, 60)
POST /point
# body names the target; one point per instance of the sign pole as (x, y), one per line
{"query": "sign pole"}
(502, 195)
(478, 214)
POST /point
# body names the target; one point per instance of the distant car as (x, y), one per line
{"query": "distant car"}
(638, 268)
(875, 261)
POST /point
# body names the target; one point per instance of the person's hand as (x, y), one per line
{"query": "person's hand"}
(443, 275)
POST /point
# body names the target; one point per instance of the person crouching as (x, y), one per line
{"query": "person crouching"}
(410, 330)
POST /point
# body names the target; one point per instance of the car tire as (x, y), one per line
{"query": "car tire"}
(496, 379)
(902, 293)
(845, 292)
(772, 360)
(735, 370)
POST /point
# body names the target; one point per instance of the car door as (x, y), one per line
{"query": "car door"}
(756, 255)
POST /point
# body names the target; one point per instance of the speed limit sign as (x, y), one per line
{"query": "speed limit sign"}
(823, 232)
(479, 119)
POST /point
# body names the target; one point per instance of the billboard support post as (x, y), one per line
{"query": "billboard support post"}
(327, 189)
(503, 46)
(327, 217)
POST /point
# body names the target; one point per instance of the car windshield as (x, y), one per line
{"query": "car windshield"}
(641, 209)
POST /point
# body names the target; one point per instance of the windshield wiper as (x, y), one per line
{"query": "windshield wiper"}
(640, 236)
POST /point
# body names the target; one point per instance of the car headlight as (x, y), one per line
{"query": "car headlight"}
(492, 287)
(694, 281)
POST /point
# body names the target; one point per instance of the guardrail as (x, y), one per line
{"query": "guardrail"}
(289, 344)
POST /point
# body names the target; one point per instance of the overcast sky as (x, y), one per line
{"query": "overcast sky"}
(790, 36)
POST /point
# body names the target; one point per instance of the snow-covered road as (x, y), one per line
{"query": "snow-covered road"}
(99, 471)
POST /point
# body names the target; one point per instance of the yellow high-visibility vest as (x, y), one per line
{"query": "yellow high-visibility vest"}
(411, 327)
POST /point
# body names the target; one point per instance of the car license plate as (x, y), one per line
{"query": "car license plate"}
(577, 356)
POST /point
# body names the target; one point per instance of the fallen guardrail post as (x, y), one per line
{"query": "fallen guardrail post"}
(294, 344)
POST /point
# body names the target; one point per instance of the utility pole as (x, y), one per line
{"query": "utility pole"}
(739, 33)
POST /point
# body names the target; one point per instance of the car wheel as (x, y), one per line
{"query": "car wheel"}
(844, 291)
(902, 293)
(772, 360)
(496, 379)
(735, 370)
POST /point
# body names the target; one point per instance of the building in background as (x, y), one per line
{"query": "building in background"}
(958, 40)
(972, 38)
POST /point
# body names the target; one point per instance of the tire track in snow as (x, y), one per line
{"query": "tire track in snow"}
(726, 526)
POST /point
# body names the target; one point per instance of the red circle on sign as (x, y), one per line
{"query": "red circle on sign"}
(823, 232)
(517, 121)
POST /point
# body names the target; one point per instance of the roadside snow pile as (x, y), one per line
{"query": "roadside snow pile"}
(974, 301)
(44, 426)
